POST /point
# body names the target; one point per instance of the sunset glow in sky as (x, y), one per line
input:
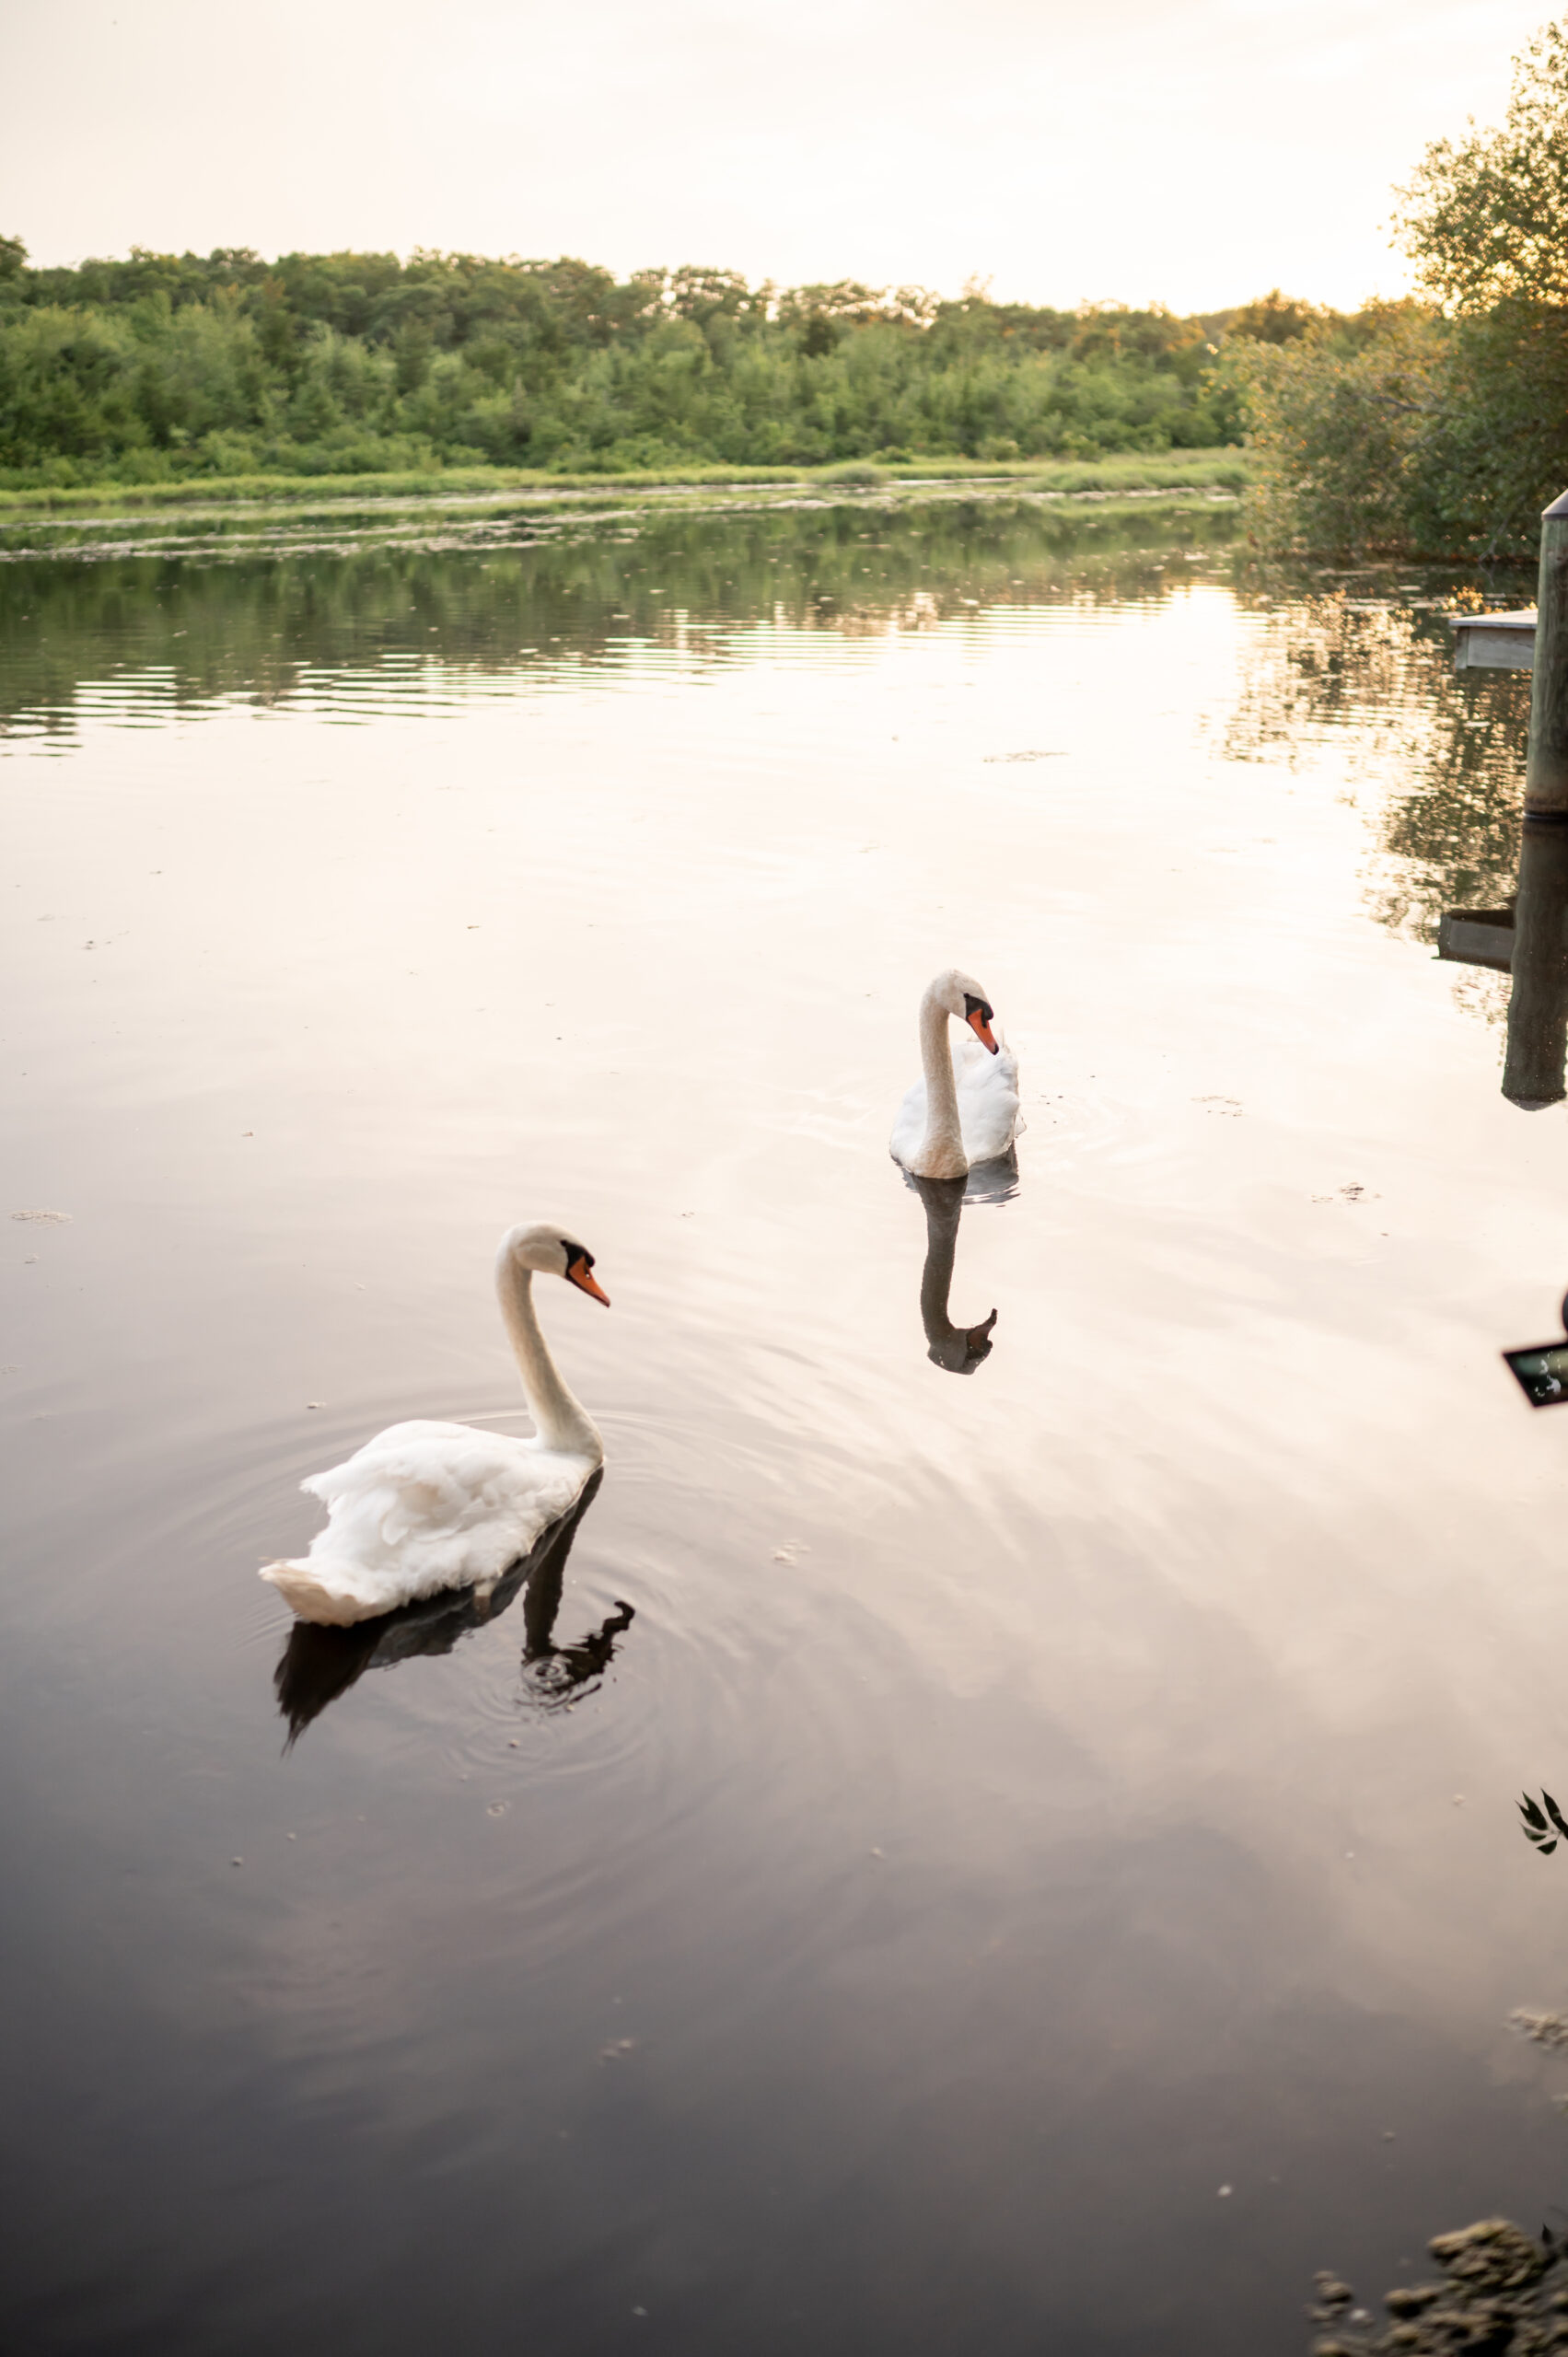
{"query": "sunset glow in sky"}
(1192, 154)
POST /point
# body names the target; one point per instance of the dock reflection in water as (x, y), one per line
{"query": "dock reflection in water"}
(1526, 938)
(1538, 1003)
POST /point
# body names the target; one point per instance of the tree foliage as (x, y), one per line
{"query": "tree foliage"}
(162, 364)
(1336, 423)
(1486, 222)
(1439, 425)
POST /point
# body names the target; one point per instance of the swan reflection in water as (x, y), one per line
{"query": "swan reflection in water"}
(318, 1663)
(958, 1349)
(556, 1676)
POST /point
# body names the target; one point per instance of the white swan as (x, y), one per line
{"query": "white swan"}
(425, 1507)
(949, 1122)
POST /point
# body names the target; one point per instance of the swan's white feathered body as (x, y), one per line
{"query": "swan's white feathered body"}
(963, 1109)
(987, 1089)
(425, 1507)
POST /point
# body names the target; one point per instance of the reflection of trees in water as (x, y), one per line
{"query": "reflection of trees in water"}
(319, 1664)
(1455, 842)
(1437, 757)
(228, 622)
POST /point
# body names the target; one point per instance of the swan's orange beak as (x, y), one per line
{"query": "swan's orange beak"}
(979, 1024)
(581, 1274)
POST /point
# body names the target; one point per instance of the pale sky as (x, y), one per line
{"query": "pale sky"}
(1127, 151)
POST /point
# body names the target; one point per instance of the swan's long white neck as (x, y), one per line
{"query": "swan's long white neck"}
(561, 1421)
(942, 1148)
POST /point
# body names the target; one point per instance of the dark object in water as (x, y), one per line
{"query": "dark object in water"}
(1478, 937)
(1541, 1368)
(1541, 1372)
(1544, 1831)
(1500, 2290)
(318, 1664)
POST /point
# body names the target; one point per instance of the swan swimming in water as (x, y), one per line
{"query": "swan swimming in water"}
(318, 1664)
(952, 1121)
(425, 1507)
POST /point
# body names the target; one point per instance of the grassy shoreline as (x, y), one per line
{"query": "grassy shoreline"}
(1169, 470)
(282, 515)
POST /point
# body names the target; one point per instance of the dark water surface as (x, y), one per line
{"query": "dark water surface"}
(991, 1841)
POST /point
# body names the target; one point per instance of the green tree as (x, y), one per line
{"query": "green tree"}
(1338, 427)
(181, 364)
(1486, 222)
(1438, 426)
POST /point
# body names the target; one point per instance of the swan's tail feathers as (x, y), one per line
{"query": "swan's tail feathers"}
(310, 1598)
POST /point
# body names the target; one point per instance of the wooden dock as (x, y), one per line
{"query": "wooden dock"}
(1478, 937)
(1494, 642)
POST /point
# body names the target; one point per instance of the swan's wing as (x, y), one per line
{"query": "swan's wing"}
(425, 1507)
(909, 1127)
(988, 1100)
(457, 1462)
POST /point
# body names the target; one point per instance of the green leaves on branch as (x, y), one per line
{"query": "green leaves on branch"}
(1486, 222)
(1336, 418)
(1440, 426)
(1546, 1830)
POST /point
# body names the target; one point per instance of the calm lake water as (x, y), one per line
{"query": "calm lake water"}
(1005, 1860)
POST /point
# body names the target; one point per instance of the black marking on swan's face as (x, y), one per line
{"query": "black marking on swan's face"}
(977, 1014)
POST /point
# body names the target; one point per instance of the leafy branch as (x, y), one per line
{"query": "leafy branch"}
(1543, 1831)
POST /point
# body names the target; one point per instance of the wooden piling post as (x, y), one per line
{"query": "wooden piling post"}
(1538, 1005)
(1546, 774)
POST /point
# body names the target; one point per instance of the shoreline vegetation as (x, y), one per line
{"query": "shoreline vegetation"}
(1223, 468)
(162, 370)
(246, 510)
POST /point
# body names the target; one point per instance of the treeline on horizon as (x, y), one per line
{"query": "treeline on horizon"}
(160, 366)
